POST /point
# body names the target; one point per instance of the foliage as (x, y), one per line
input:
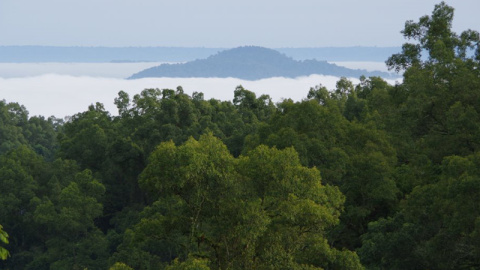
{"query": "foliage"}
(189, 264)
(262, 209)
(4, 239)
(435, 226)
(120, 266)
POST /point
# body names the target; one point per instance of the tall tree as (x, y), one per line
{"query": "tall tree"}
(436, 226)
(258, 211)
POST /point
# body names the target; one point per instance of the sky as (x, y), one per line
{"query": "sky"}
(218, 23)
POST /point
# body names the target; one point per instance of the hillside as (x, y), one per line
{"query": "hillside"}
(251, 63)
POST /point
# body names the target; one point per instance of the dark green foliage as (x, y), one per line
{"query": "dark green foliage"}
(13, 118)
(49, 209)
(435, 226)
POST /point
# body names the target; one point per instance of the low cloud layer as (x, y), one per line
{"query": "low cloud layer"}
(107, 70)
(63, 95)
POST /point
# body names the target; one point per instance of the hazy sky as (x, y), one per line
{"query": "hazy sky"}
(218, 23)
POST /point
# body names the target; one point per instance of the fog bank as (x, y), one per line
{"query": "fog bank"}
(64, 95)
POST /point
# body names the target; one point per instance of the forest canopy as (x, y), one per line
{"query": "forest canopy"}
(363, 176)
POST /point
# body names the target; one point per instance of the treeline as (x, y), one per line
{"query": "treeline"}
(368, 176)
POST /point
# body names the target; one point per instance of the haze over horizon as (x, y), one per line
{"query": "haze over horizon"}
(183, 23)
(215, 23)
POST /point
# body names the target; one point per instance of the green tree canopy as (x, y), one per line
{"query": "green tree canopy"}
(263, 209)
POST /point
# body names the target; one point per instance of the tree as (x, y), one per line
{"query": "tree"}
(120, 266)
(436, 225)
(298, 210)
(67, 217)
(444, 84)
(85, 137)
(13, 118)
(189, 264)
(4, 239)
(21, 172)
(434, 35)
(123, 104)
(260, 210)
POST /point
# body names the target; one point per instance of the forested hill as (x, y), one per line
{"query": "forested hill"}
(251, 63)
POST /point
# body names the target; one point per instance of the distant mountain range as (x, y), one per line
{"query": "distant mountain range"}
(32, 54)
(252, 63)
(29, 54)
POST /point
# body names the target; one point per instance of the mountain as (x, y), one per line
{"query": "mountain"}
(251, 63)
(338, 54)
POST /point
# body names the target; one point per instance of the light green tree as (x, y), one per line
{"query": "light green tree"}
(120, 266)
(189, 264)
(4, 239)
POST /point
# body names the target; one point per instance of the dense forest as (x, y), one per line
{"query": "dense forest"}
(367, 176)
